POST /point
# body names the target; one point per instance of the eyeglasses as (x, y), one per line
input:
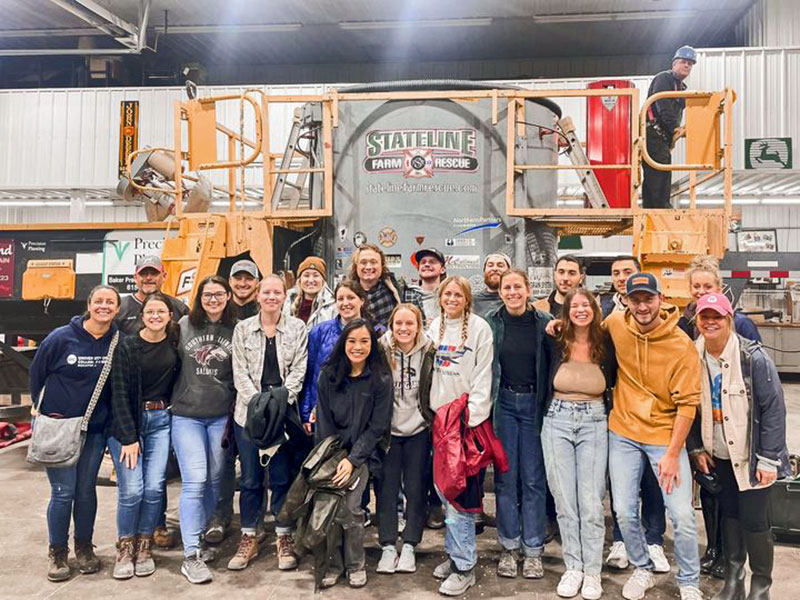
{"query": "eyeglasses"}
(151, 313)
(214, 296)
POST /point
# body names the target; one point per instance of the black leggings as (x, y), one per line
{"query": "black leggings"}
(750, 507)
(404, 462)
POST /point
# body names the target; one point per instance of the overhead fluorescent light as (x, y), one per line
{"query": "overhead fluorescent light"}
(779, 201)
(232, 29)
(366, 25)
(641, 15)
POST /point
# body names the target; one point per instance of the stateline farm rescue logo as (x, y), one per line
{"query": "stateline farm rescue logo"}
(421, 152)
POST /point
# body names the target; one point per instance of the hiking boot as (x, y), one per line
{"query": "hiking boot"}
(195, 570)
(216, 531)
(660, 562)
(532, 567)
(164, 538)
(570, 583)
(57, 566)
(330, 579)
(407, 563)
(638, 584)
(126, 552)
(618, 556)
(457, 583)
(247, 551)
(88, 563)
(388, 561)
(507, 567)
(144, 556)
(287, 559)
(357, 579)
(443, 570)
(435, 518)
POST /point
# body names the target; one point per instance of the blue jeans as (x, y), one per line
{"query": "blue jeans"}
(140, 491)
(520, 521)
(625, 465)
(198, 446)
(575, 445)
(73, 494)
(459, 536)
(654, 519)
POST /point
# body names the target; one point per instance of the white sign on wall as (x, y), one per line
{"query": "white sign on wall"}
(122, 249)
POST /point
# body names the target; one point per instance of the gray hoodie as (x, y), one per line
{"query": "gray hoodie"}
(407, 420)
(205, 384)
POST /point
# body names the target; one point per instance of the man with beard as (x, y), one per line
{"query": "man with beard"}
(655, 399)
(244, 284)
(568, 273)
(430, 265)
(149, 277)
(494, 265)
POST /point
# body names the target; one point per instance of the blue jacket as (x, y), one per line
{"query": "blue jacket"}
(67, 366)
(321, 341)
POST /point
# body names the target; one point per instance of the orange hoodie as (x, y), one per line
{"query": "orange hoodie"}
(658, 377)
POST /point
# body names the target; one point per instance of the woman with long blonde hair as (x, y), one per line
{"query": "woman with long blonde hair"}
(463, 364)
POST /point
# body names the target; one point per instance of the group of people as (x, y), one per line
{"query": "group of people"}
(564, 395)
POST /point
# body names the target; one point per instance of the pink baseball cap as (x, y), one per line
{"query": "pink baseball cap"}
(716, 302)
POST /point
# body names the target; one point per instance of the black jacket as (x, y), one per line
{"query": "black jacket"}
(269, 415)
(668, 112)
(360, 413)
(126, 389)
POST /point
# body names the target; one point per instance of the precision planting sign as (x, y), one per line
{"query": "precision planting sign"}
(121, 250)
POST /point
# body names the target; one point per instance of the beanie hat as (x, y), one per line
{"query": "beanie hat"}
(315, 263)
(501, 255)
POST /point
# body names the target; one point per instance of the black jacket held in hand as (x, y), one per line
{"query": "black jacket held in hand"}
(268, 415)
(126, 388)
(360, 413)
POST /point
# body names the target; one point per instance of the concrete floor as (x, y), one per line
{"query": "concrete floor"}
(24, 494)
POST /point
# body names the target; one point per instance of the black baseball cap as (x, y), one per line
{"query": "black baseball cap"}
(642, 282)
(420, 254)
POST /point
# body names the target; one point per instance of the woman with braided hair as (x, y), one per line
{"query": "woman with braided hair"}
(463, 364)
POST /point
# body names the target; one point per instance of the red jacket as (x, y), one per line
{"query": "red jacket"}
(459, 451)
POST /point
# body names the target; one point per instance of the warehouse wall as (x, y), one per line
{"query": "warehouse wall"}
(770, 23)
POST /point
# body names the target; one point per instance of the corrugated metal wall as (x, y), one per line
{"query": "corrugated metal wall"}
(770, 23)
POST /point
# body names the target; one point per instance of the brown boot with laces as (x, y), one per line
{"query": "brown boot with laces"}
(144, 556)
(126, 556)
(287, 559)
(248, 550)
(57, 567)
(88, 563)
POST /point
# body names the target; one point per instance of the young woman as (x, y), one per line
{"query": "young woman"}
(742, 440)
(201, 403)
(519, 390)
(410, 355)
(575, 440)
(463, 364)
(269, 351)
(350, 304)
(145, 365)
(63, 375)
(311, 300)
(355, 403)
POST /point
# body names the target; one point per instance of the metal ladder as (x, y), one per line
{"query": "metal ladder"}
(291, 192)
(578, 157)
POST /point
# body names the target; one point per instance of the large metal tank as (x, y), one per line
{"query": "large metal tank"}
(417, 174)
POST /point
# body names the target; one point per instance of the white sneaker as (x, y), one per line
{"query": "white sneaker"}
(407, 562)
(689, 592)
(592, 587)
(388, 561)
(617, 556)
(660, 562)
(638, 584)
(570, 584)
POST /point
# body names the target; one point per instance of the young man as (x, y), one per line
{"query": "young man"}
(568, 273)
(663, 127)
(655, 399)
(149, 277)
(494, 265)
(244, 281)
(653, 516)
(430, 265)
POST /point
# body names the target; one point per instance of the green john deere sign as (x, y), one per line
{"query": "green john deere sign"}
(768, 153)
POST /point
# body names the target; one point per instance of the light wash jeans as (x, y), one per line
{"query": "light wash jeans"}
(459, 536)
(140, 491)
(575, 444)
(625, 465)
(201, 457)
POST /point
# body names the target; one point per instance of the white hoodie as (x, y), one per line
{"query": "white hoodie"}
(407, 420)
(463, 368)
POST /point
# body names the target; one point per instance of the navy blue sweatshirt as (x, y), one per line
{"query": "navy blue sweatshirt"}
(67, 365)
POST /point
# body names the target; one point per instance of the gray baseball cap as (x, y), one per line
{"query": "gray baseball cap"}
(246, 266)
(150, 261)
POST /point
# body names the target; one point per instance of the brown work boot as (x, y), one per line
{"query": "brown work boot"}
(164, 538)
(88, 563)
(126, 555)
(248, 550)
(57, 567)
(287, 559)
(144, 557)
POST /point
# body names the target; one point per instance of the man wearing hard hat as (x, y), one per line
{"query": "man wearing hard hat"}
(663, 127)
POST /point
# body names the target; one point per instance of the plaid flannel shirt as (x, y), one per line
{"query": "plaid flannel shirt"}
(382, 300)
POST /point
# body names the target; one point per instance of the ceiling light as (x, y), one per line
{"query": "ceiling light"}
(364, 25)
(233, 29)
(642, 15)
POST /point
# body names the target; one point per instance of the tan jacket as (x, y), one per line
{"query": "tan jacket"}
(543, 305)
